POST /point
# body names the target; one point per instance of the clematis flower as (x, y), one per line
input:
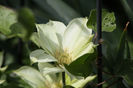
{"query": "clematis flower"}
(46, 79)
(62, 44)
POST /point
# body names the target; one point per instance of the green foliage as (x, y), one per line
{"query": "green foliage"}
(7, 18)
(17, 30)
(108, 21)
(17, 25)
(26, 18)
(118, 60)
(85, 61)
(129, 78)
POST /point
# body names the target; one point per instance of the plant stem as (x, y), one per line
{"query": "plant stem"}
(99, 36)
(63, 79)
(105, 81)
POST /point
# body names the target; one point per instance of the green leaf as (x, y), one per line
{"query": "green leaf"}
(108, 21)
(111, 40)
(85, 61)
(131, 48)
(129, 79)
(18, 30)
(26, 18)
(7, 18)
(31, 76)
(127, 7)
(121, 45)
(127, 52)
(92, 20)
(125, 67)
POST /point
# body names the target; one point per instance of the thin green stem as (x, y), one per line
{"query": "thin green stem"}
(63, 79)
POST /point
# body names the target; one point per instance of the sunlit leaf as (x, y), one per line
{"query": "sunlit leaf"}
(7, 18)
(108, 21)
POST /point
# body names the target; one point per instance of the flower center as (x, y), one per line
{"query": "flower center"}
(63, 57)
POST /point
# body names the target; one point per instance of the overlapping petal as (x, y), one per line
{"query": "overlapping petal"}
(41, 56)
(65, 43)
(89, 48)
(50, 36)
(31, 76)
(76, 36)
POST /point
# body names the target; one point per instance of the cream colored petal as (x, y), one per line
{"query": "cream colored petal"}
(59, 28)
(40, 55)
(31, 76)
(49, 72)
(76, 36)
(82, 82)
(47, 68)
(89, 48)
(50, 35)
(35, 38)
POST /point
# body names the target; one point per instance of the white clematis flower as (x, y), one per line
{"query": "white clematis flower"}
(44, 78)
(61, 43)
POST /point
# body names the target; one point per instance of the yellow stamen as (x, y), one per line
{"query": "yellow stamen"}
(64, 57)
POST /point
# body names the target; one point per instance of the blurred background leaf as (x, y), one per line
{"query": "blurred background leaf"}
(108, 21)
(7, 17)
